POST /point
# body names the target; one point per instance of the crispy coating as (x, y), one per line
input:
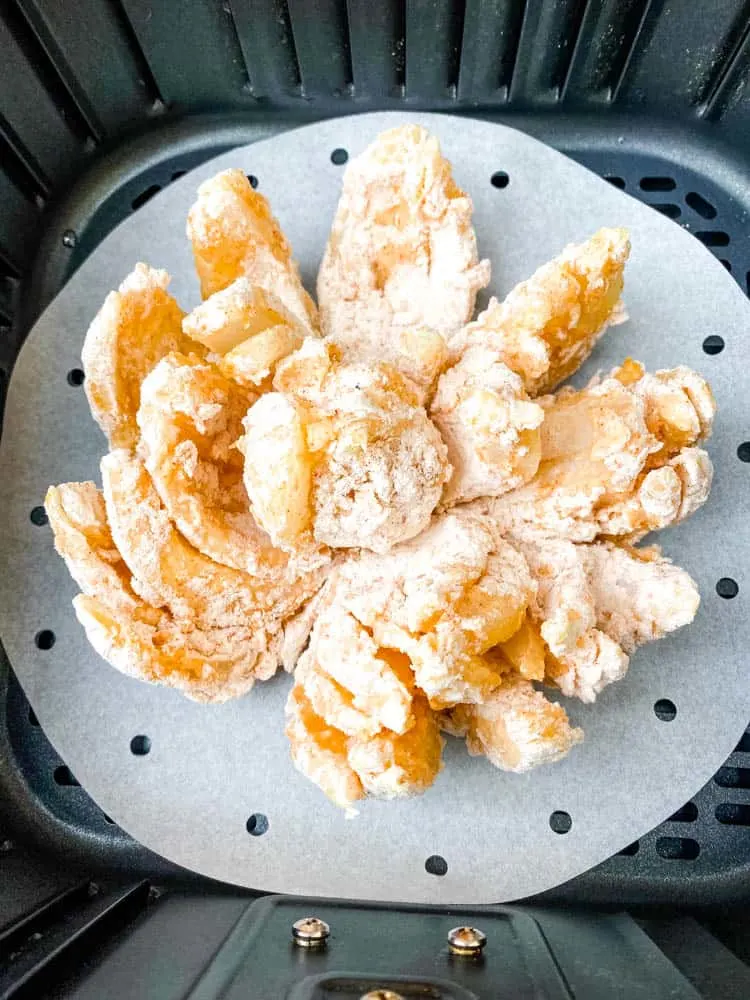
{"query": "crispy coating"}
(386, 765)
(516, 728)
(402, 255)
(169, 572)
(443, 600)
(234, 234)
(190, 418)
(595, 604)
(342, 452)
(547, 326)
(618, 457)
(249, 328)
(140, 640)
(489, 424)
(136, 326)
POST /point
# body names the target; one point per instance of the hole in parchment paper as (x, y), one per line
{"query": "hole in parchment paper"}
(631, 849)
(658, 184)
(64, 776)
(727, 588)
(145, 196)
(75, 376)
(665, 710)
(617, 182)
(500, 179)
(253, 180)
(257, 825)
(435, 865)
(678, 848)
(743, 452)
(38, 516)
(687, 814)
(339, 157)
(733, 813)
(699, 204)
(560, 821)
(140, 745)
(45, 639)
(713, 344)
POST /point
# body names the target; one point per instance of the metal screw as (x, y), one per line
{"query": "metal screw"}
(310, 932)
(381, 995)
(69, 239)
(468, 941)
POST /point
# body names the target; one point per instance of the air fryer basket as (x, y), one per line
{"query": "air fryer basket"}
(102, 104)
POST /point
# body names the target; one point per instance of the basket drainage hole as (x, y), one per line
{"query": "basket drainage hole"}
(339, 157)
(618, 182)
(38, 515)
(253, 181)
(140, 745)
(733, 813)
(665, 710)
(75, 376)
(64, 776)
(631, 850)
(33, 721)
(743, 452)
(667, 208)
(435, 865)
(45, 639)
(560, 821)
(257, 824)
(500, 179)
(658, 184)
(699, 204)
(727, 588)
(145, 196)
(678, 848)
(713, 344)
(686, 814)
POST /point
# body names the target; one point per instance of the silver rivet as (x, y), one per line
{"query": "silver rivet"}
(466, 941)
(69, 239)
(381, 995)
(310, 932)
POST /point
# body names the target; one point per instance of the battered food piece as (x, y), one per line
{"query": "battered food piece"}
(516, 728)
(169, 572)
(489, 425)
(348, 768)
(136, 326)
(140, 640)
(249, 329)
(190, 419)
(547, 326)
(234, 234)
(618, 457)
(341, 452)
(402, 254)
(595, 604)
(441, 601)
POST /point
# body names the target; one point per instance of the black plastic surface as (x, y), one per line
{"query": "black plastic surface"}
(109, 91)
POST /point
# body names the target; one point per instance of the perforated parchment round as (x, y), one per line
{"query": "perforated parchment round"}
(210, 768)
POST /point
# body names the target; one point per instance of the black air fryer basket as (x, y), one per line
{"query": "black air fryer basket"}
(105, 102)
